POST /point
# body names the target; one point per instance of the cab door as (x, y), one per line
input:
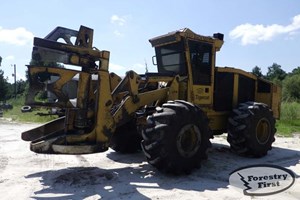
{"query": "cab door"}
(201, 65)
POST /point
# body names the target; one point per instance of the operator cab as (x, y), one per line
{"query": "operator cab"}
(172, 59)
(190, 55)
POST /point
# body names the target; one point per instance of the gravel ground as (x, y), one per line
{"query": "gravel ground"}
(109, 175)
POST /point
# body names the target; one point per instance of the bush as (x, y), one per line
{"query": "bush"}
(291, 88)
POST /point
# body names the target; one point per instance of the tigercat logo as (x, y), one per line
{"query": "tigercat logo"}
(261, 180)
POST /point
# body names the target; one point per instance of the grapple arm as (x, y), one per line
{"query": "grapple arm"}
(103, 100)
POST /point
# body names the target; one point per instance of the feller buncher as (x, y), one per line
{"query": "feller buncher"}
(171, 115)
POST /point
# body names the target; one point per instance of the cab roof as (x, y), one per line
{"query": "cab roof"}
(186, 33)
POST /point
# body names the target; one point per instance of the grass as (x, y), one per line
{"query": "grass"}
(289, 122)
(16, 115)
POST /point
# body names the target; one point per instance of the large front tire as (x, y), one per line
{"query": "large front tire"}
(126, 138)
(251, 129)
(176, 137)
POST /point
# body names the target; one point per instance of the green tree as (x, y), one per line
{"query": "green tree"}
(21, 85)
(275, 73)
(257, 71)
(3, 86)
(296, 71)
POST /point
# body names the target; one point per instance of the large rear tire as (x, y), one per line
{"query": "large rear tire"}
(176, 137)
(126, 139)
(251, 129)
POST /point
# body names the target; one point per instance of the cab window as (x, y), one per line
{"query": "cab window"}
(170, 58)
(201, 56)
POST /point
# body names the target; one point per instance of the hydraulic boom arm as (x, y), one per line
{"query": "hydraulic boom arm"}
(103, 100)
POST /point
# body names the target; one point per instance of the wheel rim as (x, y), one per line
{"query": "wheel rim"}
(188, 140)
(263, 131)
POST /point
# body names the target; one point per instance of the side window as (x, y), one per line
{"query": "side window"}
(201, 56)
(171, 58)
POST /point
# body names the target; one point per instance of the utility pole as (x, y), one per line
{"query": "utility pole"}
(15, 81)
(15, 76)
(146, 66)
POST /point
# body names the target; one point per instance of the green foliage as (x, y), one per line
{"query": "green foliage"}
(38, 62)
(3, 87)
(291, 88)
(275, 72)
(257, 71)
(290, 83)
(290, 111)
(287, 127)
(296, 71)
(289, 122)
(10, 92)
(7, 90)
(16, 115)
(21, 85)
(41, 96)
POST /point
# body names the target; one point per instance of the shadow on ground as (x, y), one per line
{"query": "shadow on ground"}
(128, 182)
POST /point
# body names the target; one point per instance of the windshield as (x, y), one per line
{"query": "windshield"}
(170, 58)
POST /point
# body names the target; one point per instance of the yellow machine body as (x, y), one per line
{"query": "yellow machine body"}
(104, 101)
